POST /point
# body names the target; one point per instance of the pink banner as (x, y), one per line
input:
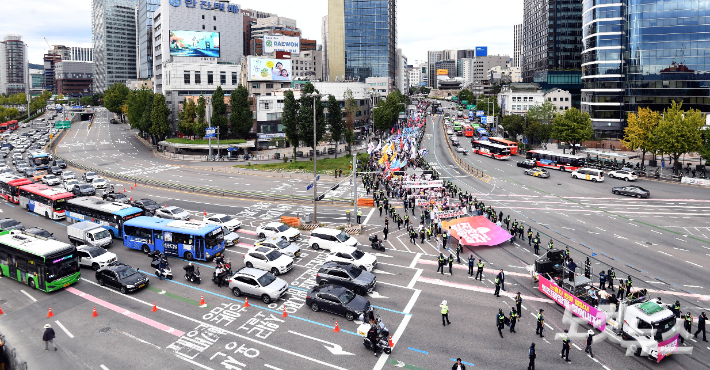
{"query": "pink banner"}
(476, 231)
(667, 347)
(570, 302)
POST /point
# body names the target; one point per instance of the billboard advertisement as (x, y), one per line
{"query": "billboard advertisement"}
(282, 43)
(194, 44)
(442, 72)
(481, 51)
(269, 69)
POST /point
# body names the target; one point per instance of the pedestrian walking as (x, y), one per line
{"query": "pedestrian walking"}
(702, 319)
(513, 319)
(540, 324)
(480, 271)
(441, 263)
(532, 355)
(458, 365)
(565, 346)
(500, 321)
(385, 231)
(518, 303)
(48, 337)
(471, 262)
(501, 274)
(438, 244)
(451, 264)
(444, 313)
(590, 338)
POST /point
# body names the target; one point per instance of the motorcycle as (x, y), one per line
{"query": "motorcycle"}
(224, 277)
(156, 256)
(376, 244)
(382, 341)
(166, 274)
(194, 276)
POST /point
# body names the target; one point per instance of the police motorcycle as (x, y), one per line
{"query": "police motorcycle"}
(157, 259)
(226, 271)
(381, 333)
(192, 273)
(376, 243)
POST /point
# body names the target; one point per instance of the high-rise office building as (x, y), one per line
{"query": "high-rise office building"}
(433, 57)
(13, 65)
(113, 25)
(643, 54)
(324, 36)
(552, 45)
(144, 24)
(73, 53)
(362, 38)
(517, 43)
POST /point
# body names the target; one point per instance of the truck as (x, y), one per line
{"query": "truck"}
(89, 233)
(647, 326)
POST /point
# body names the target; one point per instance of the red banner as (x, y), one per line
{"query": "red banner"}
(475, 231)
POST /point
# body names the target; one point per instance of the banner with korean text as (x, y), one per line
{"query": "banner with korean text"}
(423, 184)
(667, 347)
(477, 231)
(570, 302)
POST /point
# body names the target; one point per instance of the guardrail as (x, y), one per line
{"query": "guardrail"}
(479, 174)
(190, 188)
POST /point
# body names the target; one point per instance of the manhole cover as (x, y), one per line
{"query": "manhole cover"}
(105, 330)
(649, 243)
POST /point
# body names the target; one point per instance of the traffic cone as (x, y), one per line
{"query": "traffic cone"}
(131, 187)
(202, 300)
(131, 199)
(135, 184)
(204, 213)
(124, 189)
(246, 302)
(285, 314)
(94, 314)
(391, 343)
(155, 308)
(337, 328)
(1, 311)
(50, 314)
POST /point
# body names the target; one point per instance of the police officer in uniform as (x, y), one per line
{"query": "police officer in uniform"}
(471, 262)
(530, 235)
(676, 309)
(532, 355)
(518, 303)
(497, 292)
(602, 280)
(441, 263)
(550, 244)
(611, 275)
(628, 284)
(379, 206)
(459, 249)
(412, 235)
(513, 319)
(565, 346)
(540, 324)
(687, 325)
(480, 271)
(500, 321)
(386, 230)
(620, 294)
(702, 319)
(587, 268)
(444, 238)
(444, 313)
(359, 215)
(536, 244)
(451, 264)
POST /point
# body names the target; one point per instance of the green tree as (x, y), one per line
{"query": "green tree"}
(536, 131)
(488, 104)
(638, 134)
(679, 131)
(350, 114)
(200, 127)
(382, 117)
(136, 107)
(573, 127)
(219, 113)
(467, 95)
(187, 119)
(289, 119)
(335, 121)
(146, 120)
(514, 125)
(115, 97)
(241, 117)
(305, 116)
(704, 150)
(544, 113)
(159, 117)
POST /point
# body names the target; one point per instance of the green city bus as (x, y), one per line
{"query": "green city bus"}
(38, 262)
(457, 126)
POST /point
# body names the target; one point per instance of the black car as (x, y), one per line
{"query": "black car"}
(122, 277)
(84, 190)
(347, 276)
(10, 224)
(632, 191)
(37, 231)
(528, 163)
(60, 163)
(113, 120)
(117, 197)
(337, 300)
(29, 172)
(147, 205)
(55, 170)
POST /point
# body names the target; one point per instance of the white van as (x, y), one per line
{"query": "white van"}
(324, 238)
(591, 174)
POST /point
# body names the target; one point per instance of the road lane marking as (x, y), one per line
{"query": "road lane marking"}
(29, 296)
(478, 289)
(103, 367)
(139, 340)
(368, 216)
(65, 329)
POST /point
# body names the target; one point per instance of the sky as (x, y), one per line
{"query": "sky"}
(422, 24)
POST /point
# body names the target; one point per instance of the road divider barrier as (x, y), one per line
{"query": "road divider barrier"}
(366, 202)
(291, 221)
(462, 164)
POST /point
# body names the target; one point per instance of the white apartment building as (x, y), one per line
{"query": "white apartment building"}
(519, 98)
(561, 99)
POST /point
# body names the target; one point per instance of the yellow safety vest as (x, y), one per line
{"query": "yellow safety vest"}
(480, 265)
(444, 309)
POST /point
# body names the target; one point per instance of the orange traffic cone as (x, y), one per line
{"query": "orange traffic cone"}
(131, 199)
(50, 314)
(391, 343)
(246, 302)
(131, 187)
(135, 184)
(155, 308)
(285, 314)
(202, 300)
(204, 213)
(337, 328)
(1, 311)
(124, 189)
(94, 314)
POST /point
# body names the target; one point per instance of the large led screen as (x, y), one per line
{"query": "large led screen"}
(267, 69)
(194, 44)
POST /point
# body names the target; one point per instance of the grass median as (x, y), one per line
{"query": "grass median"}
(324, 166)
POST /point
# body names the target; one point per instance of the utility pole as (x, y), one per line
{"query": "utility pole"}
(315, 174)
(354, 181)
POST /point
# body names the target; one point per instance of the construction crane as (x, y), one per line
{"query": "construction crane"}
(50, 47)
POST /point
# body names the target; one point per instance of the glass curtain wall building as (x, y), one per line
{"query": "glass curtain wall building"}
(113, 24)
(644, 53)
(145, 37)
(370, 38)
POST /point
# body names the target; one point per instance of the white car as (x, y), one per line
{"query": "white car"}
(99, 183)
(68, 175)
(276, 229)
(284, 246)
(227, 221)
(363, 260)
(330, 239)
(172, 213)
(70, 184)
(590, 174)
(623, 175)
(462, 150)
(94, 257)
(268, 259)
(51, 180)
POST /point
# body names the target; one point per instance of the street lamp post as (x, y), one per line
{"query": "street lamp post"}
(315, 174)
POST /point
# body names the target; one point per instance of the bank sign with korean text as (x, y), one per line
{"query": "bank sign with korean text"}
(206, 5)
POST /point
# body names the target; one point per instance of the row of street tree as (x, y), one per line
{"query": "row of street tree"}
(9, 113)
(147, 112)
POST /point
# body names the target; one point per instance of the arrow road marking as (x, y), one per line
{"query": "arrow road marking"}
(376, 295)
(332, 347)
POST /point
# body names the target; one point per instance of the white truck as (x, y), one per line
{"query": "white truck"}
(89, 233)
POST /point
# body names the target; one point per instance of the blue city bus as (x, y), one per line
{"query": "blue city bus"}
(38, 160)
(185, 239)
(481, 134)
(110, 215)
